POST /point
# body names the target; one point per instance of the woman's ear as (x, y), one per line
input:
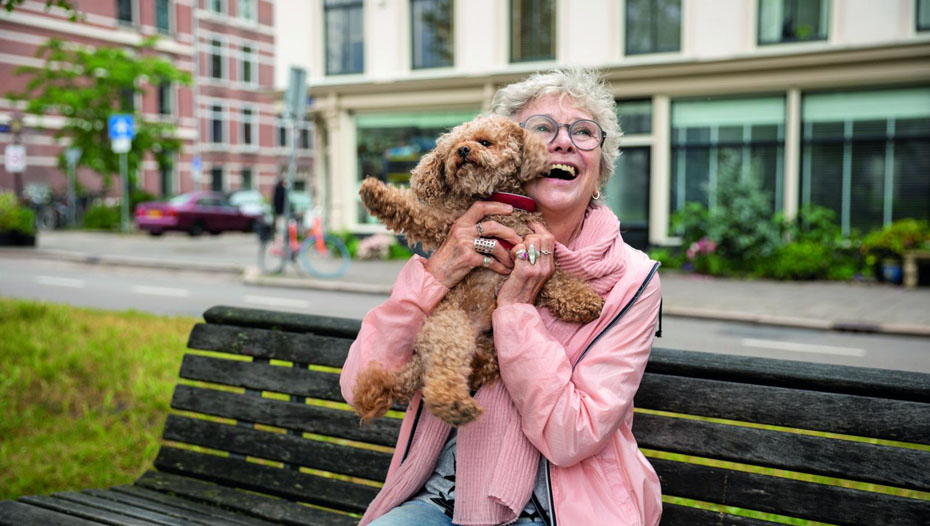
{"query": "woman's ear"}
(428, 180)
(535, 157)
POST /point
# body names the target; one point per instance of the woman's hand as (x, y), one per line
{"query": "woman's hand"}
(535, 263)
(457, 256)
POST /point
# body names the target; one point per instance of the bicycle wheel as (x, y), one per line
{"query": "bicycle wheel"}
(271, 256)
(331, 263)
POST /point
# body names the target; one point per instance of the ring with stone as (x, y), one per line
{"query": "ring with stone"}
(484, 245)
(521, 254)
(533, 254)
(487, 262)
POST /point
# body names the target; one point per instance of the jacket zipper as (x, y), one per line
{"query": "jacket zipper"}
(551, 520)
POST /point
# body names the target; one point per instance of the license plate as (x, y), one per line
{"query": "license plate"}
(154, 213)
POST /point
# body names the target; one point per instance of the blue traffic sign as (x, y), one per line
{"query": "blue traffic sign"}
(122, 126)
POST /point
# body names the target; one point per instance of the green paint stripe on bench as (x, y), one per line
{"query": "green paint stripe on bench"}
(262, 377)
(687, 512)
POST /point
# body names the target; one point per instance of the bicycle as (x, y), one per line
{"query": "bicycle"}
(320, 254)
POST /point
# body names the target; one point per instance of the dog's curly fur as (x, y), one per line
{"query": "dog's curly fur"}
(454, 351)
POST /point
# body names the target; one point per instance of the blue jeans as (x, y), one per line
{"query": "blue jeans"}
(419, 513)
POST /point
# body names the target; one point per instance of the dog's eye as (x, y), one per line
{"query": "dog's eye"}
(485, 142)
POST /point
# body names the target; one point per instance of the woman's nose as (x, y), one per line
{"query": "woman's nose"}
(562, 141)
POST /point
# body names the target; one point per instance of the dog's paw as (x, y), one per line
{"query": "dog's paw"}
(370, 191)
(456, 412)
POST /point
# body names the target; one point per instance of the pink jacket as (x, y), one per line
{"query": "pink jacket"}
(576, 402)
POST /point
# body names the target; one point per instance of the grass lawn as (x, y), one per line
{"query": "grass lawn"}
(83, 394)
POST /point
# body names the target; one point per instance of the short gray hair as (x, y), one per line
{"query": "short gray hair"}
(590, 93)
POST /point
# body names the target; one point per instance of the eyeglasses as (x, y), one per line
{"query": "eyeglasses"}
(585, 134)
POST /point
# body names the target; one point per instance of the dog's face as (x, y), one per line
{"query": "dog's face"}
(488, 154)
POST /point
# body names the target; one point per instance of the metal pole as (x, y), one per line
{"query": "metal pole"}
(124, 176)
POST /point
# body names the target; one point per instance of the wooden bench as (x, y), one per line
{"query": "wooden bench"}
(246, 444)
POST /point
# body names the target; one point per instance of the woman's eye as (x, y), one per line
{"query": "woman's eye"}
(485, 142)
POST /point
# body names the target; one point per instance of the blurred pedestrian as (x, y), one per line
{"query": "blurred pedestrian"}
(279, 200)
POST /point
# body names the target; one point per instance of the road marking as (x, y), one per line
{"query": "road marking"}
(274, 301)
(160, 291)
(803, 347)
(60, 282)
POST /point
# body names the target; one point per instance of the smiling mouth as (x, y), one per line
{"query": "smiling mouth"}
(561, 171)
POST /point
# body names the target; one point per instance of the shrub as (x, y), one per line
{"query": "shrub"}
(15, 217)
(896, 239)
(800, 260)
(377, 246)
(102, 217)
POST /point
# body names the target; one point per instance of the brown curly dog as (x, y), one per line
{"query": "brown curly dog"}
(454, 352)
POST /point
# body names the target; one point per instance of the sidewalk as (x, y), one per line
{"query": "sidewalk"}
(865, 307)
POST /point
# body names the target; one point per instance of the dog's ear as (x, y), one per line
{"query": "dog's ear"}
(428, 180)
(535, 157)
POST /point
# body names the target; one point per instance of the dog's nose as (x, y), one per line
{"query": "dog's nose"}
(464, 151)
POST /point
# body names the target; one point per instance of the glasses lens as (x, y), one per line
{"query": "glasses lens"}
(544, 126)
(586, 134)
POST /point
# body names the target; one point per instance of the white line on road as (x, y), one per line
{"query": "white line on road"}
(273, 301)
(161, 291)
(803, 347)
(60, 282)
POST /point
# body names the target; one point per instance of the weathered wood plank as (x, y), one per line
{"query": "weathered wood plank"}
(345, 460)
(90, 501)
(118, 501)
(881, 383)
(793, 498)
(675, 515)
(288, 415)
(283, 321)
(899, 420)
(891, 466)
(332, 493)
(208, 513)
(265, 377)
(15, 513)
(272, 509)
(86, 512)
(277, 345)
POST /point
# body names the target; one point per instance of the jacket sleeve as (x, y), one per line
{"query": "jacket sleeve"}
(570, 414)
(388, 331)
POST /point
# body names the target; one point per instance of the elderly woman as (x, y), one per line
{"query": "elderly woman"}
(554, 445)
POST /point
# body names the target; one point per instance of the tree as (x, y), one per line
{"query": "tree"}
(86, 86)
(67, 5)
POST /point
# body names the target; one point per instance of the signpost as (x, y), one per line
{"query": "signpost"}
(122, 129)
(72, 156)
(295, 104)
(197, 169)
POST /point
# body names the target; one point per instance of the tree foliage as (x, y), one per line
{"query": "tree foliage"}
(67, 5)
(86, 86)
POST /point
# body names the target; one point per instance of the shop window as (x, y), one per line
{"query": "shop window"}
(653, 26)
(431, 33)
(866, 155)
(635, 116)
(532, 30)
(344, 36)
(783, 21)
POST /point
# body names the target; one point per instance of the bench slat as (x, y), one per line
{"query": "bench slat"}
(16, 513)
(675, 515)
(794, 498)
(92, 502)
(272, 509)
(264, 377)
(86, 512)
(345, 460)
(899, 420)
(863, 381)
(776, 449)
(332, 493)
(276, 345)
(152, 500)
(285, 321)
(289, 415)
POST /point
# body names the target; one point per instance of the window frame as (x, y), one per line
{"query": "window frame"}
(514, 26)
(171, 98)
(917, 12)
(223, 7)
(348, 6)
(415, 24)
(654, 32)
(248, 121)
(169, 5)
(825, 9)
(216, 117)
(217, 48)
(133, 14)
(253, 19)
(251, 65)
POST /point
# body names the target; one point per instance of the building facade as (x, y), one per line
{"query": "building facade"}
(827, 101)
(228, 119)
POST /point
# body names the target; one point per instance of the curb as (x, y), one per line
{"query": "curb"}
(130, 261)
(252, 276)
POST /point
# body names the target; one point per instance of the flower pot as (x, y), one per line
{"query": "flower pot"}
(892, 271)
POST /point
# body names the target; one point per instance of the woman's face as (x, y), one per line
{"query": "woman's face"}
(562, 198)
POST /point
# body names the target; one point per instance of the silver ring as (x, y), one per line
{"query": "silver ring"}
(487, 262)
(545, 252)
(484, 245)
(480, 229)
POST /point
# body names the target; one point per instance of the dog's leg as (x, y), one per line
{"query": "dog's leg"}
(401, 211)
(570, 298)
(484, 367)
(447, 342)
(372, 393)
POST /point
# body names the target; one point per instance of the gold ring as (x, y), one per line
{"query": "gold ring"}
(484, 245)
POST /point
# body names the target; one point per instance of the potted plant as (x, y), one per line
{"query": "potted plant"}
(17, 222)
(884, 249)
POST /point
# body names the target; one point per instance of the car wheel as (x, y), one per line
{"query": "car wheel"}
(196, 229)
(156, 233)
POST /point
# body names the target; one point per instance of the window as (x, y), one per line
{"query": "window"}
(124, 14)
(653, 26)
(282, 131)
(792, 20)
(532, 30)
(248, 127)
(246, 178)
(165, 99)
(431, 33)
(635, 116)
(216, 59)
(216, 123)
(745, 136)
(166, 178)
(866, 155)
(163, 16)
(344, 37)
(247, 72)
(627, 194)
(247, 10)
(217, 6)
(923, 15)
(305, 137)
(389, 145)
(216, 180)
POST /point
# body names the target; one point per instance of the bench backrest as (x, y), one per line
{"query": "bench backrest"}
(838, 445)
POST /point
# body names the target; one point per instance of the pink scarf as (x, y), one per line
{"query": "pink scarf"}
(495, 463)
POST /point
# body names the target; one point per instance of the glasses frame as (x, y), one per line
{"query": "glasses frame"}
(568, 127)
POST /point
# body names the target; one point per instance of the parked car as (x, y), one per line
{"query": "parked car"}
(194, 213)
(251, 202)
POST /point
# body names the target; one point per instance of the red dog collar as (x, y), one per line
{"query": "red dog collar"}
(515, 200)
